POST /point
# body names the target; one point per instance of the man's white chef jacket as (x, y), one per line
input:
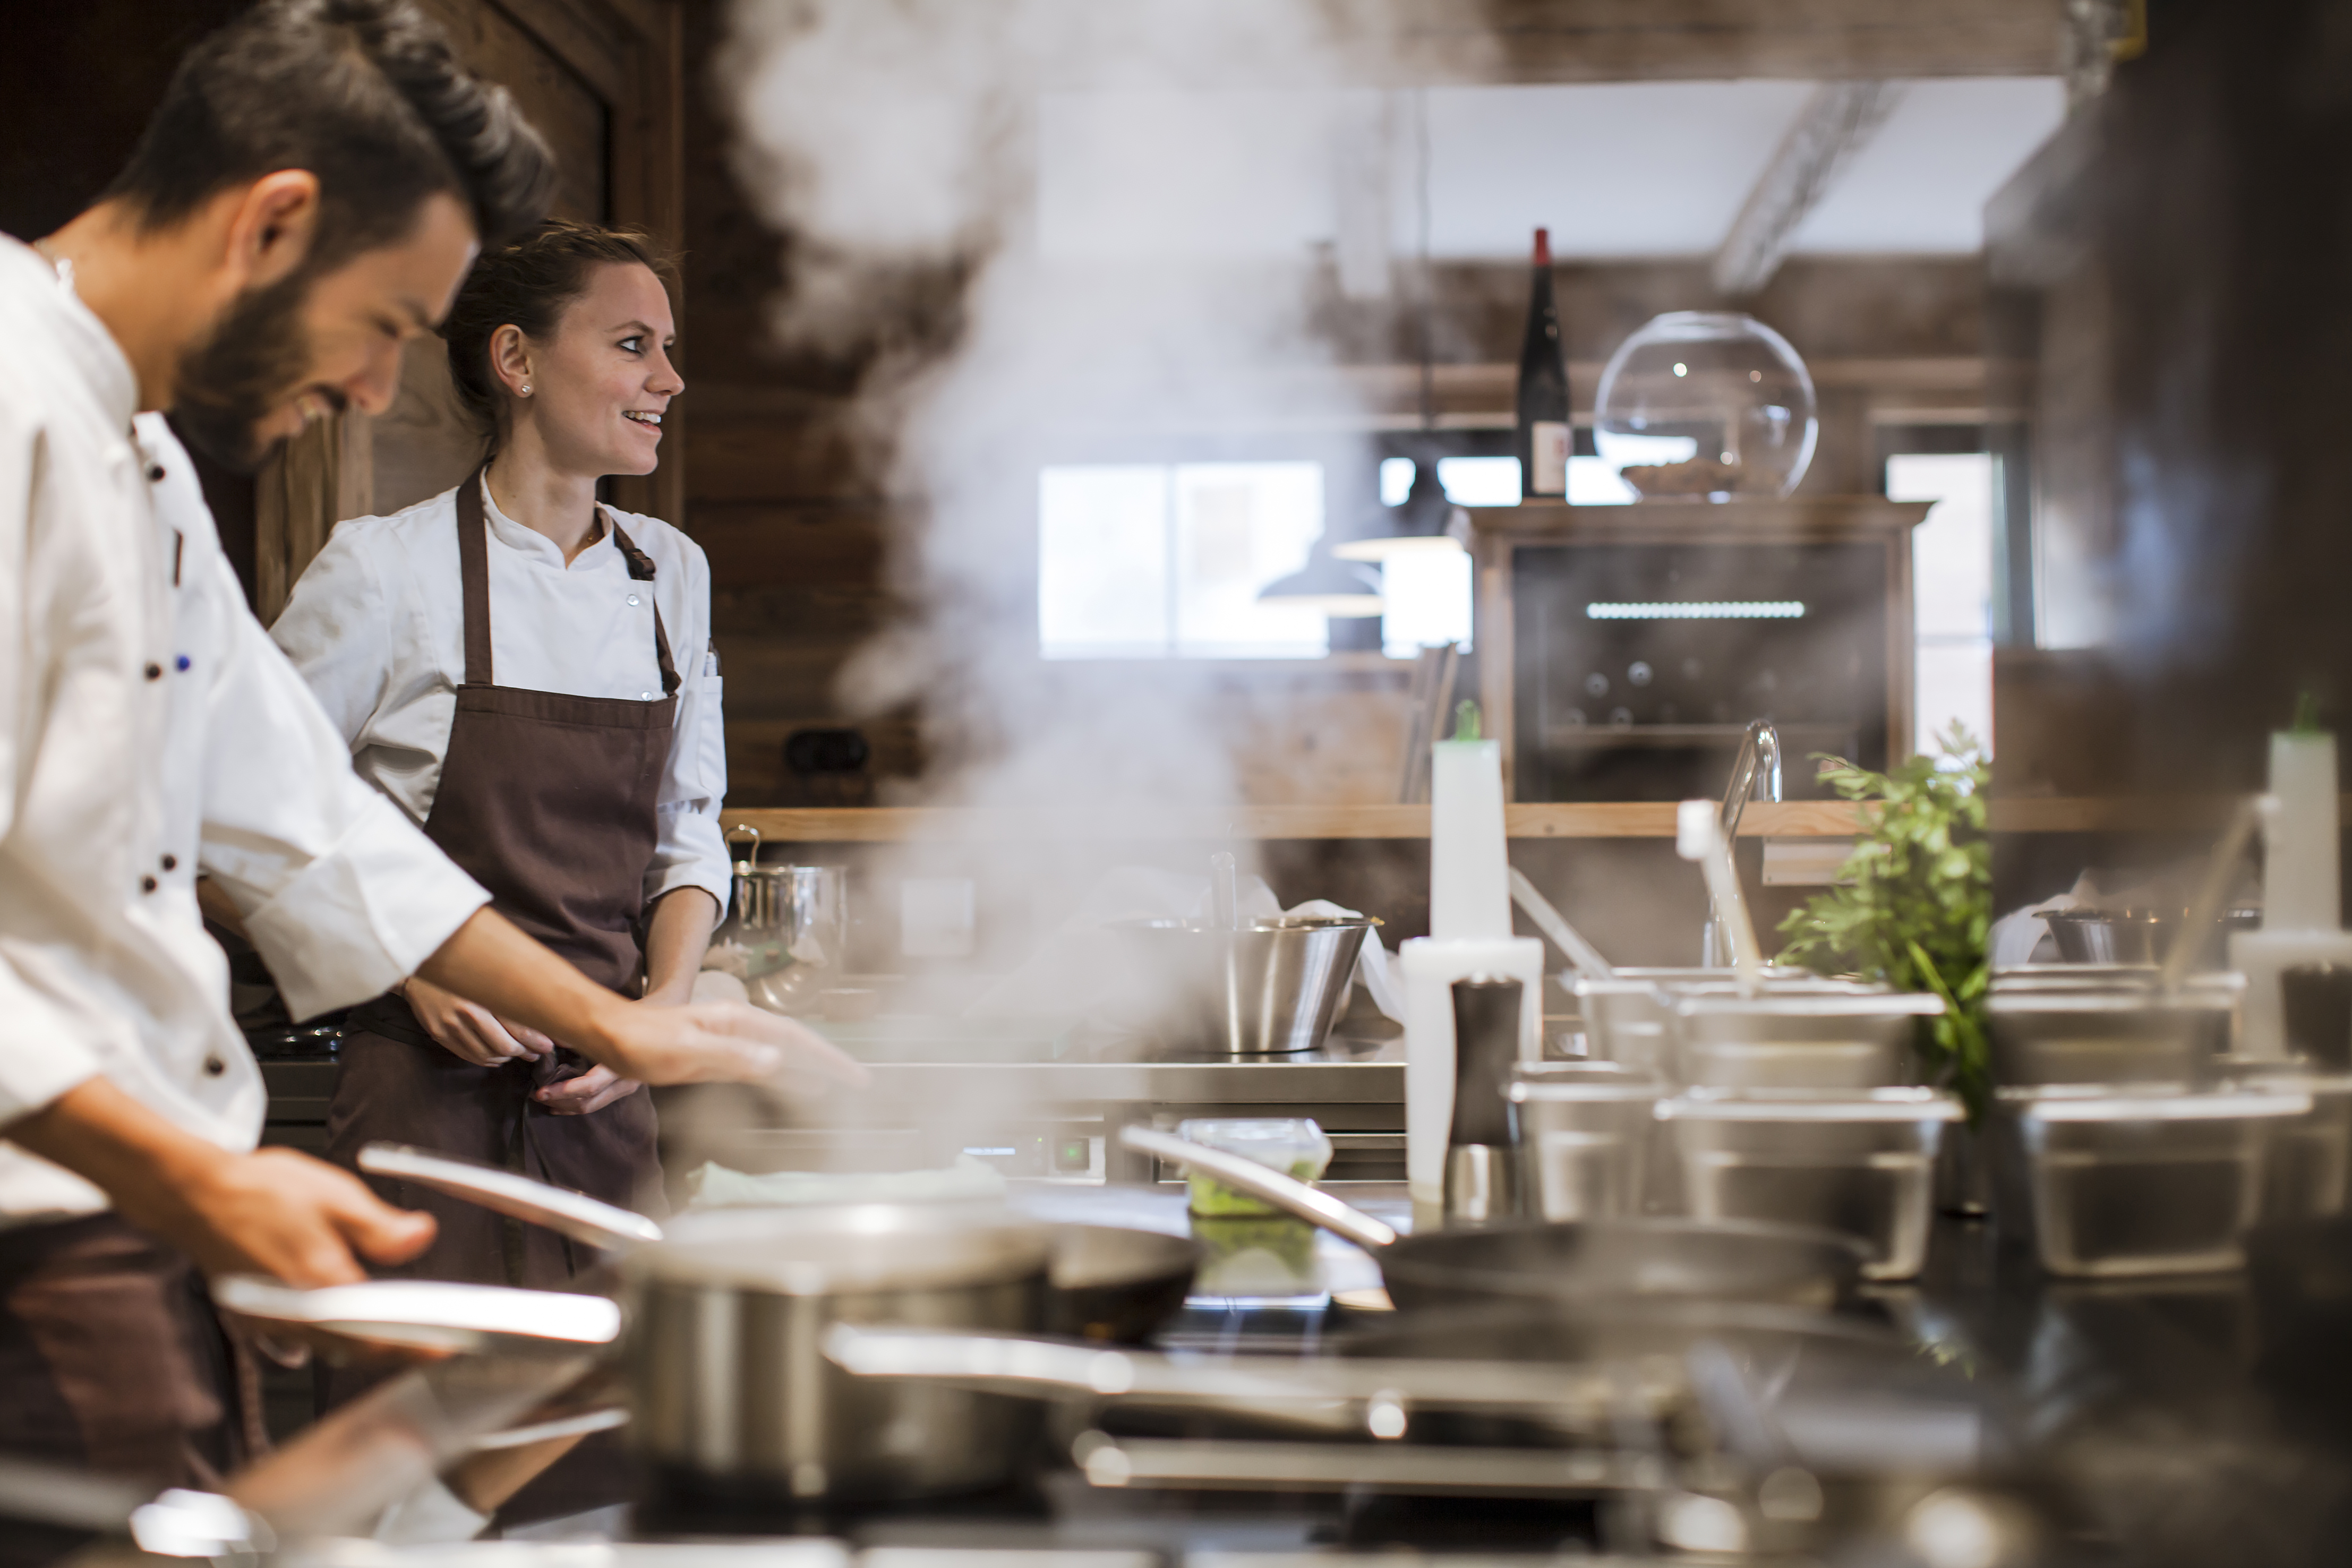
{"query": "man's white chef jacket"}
(377, 626)
(151, 729)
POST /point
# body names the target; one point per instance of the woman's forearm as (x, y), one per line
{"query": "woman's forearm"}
(676, 936)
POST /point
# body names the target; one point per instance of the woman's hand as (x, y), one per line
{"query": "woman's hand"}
(592, 1091)
(472, 1032)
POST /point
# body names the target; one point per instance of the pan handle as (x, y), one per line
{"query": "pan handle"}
(1288, 1194)
(1336, 1393)
(575, 1214)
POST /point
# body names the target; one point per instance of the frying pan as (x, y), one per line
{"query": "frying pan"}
(1583, 1260)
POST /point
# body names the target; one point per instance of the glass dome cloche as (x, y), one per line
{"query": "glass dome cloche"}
(1706, 406)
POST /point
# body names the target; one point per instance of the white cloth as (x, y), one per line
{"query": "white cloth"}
(377, 626)
(149, 727)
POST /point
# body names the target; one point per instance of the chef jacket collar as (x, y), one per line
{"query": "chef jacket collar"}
(112, 377)
(538, 546)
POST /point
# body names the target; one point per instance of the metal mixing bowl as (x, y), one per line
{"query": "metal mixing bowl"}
(1270, 988)
(2135, 936)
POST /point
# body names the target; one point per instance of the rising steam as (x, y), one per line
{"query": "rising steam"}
(891, 136)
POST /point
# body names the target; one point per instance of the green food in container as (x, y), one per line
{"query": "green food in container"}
(1295, 1146)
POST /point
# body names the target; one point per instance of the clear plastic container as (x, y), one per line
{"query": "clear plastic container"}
(1295, 1146)
(2124, 1180)
(1862, 1163)
(1585, 1132)
(1706, 406)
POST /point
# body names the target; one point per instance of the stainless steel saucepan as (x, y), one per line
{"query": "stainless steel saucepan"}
(728, 1310)
(1562, 1261)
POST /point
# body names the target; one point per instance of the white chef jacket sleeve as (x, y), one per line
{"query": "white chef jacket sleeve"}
(42, 1053)
(692, 849)
(342, 893)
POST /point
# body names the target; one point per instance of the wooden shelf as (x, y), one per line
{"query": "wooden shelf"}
(1596, 820)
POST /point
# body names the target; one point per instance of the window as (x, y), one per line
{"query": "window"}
(1951, 589)
(1165, 560)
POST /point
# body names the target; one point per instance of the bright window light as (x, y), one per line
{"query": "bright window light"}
(1951, 590)
(1480, 481)
(1427, 594)
(1700, 610)
(1396, 480)
(1165, 560)
(1593, 482)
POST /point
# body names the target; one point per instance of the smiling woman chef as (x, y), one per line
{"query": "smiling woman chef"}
(524, 670)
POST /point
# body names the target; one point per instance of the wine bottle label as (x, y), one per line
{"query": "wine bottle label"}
(1547, 448)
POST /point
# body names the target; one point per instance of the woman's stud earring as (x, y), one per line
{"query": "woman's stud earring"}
(526, 392)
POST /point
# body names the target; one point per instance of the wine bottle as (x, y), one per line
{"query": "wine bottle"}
(1543, 435)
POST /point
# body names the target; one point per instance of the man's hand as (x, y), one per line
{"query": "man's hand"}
(272, 1212)
(707, 1043)
(285, 1215)
(592, 1091)
(470, 1032)
(724, 1042)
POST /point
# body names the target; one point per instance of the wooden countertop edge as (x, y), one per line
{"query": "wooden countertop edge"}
(919, 824)
(1600, 819)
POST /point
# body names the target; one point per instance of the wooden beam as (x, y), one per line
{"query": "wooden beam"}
(1408, 43)
(1836, 123)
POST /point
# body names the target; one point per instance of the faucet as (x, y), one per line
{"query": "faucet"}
(1755, 770)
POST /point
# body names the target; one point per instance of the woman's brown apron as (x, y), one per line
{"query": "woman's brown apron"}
(549, 801)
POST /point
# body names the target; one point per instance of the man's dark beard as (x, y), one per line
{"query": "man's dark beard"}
(231, 380)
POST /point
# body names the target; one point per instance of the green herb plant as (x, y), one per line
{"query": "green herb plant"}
(1913, 907)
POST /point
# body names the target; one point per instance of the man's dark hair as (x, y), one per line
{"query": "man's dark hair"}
(364, 94)
(530, 283)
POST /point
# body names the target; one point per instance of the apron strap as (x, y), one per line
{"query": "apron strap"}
(641, 567)
(474, 578)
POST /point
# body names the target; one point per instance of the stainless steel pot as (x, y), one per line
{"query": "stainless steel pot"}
(1270, 987)
(727, 1311)
(803, 908)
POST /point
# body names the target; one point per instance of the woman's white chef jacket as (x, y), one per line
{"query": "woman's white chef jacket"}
(377, 627)
(149, 728)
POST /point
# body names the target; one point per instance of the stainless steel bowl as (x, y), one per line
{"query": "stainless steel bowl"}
(1270, 988)
(2134, 936)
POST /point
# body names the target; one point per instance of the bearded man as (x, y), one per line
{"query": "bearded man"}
(307, 199)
